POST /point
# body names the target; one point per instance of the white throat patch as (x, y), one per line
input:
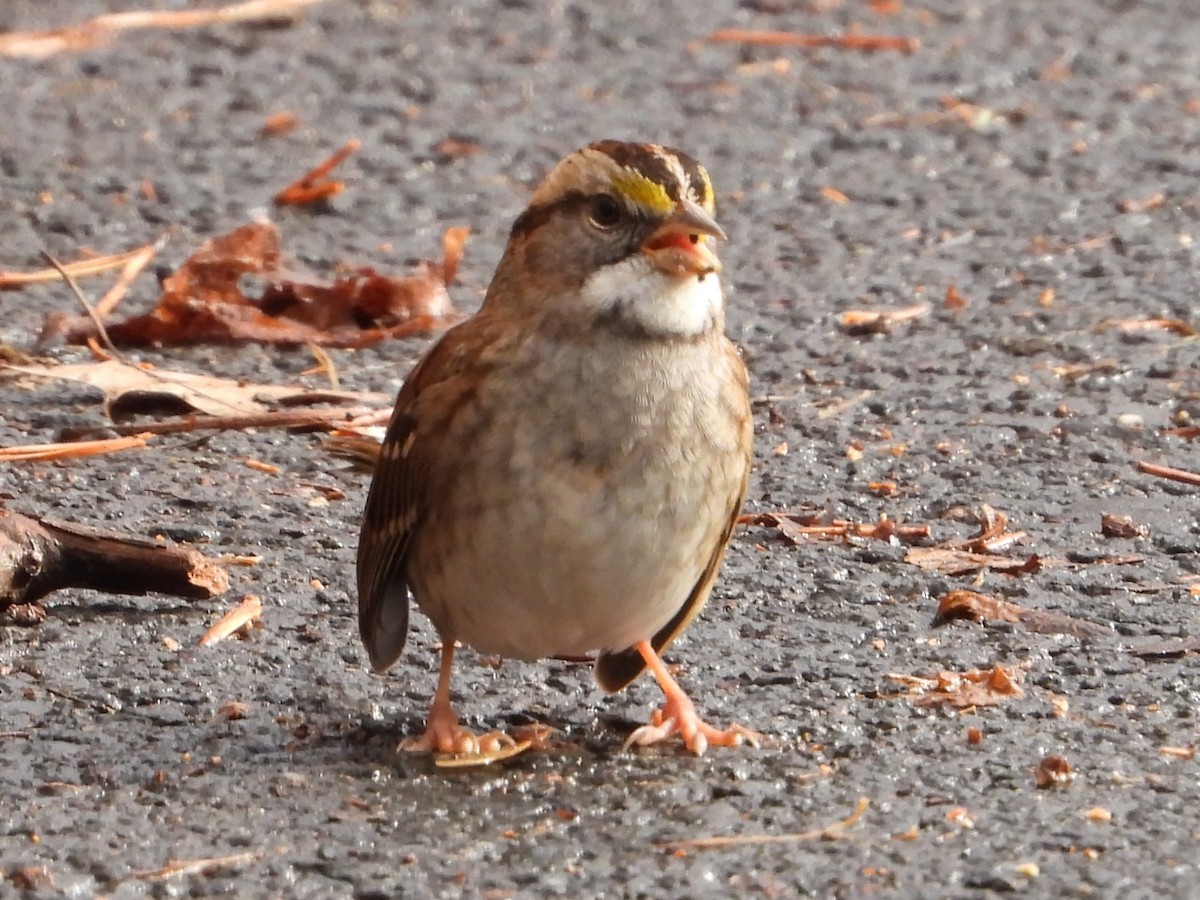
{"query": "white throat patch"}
(639, 293)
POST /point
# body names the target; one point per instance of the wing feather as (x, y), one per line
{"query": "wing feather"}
(397, 500)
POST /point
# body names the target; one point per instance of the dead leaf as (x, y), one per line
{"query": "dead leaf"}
(954, 301)
(1116, 526)
(315, 185)
(1184, 753)
(952, 561)
(961, 604)
(183, 867)
(864, 321)
(993, 536)
(233, 710)
(128, 389)
(797, 527)
(976, 687)
(204, 301)
(456, 147)
(1054, 771)
(833, 195)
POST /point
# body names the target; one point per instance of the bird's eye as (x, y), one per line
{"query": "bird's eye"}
(605, 212)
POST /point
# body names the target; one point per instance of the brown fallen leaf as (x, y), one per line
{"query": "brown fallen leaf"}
(962, 604)
(1053, 771)
(315, 185)
(456, 147)
(952, 561)
(961, 690)
(1117, 526)
(1187, 432)
(954, 300)
(131, 389)
(796, 527)
(482, 758)
(1184, 753)
(863, 321)
(204, 301)
(833, 195)
(232, 710)
(178, 867)
(993, 536)
(1145, 204)
(31, 878)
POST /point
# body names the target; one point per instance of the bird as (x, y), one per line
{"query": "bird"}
(563, 470)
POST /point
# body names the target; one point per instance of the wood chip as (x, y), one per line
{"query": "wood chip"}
(242, 615)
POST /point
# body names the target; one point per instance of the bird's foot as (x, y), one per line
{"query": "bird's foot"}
(443, 734)
(697, 734)
(678, 716)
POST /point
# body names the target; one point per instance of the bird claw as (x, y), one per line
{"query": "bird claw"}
(458, 741)
(443, 734)
(696, 734)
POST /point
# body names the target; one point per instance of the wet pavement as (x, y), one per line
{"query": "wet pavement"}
(1042, 159)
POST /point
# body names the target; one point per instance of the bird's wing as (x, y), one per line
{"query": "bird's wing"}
(397, 499)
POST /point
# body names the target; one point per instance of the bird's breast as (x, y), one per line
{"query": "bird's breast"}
(598, 488)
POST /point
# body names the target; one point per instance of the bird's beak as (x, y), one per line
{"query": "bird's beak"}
(680, 245)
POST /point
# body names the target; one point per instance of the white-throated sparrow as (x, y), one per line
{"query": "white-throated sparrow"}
(563, 470)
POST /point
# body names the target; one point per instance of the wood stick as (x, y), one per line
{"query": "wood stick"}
(283, 418)
(39, 556)
(864, 42)
(1170, 472)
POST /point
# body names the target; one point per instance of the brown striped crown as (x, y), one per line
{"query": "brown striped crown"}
(650, 177)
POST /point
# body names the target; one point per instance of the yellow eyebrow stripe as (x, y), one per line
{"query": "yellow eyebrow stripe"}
(644, 192)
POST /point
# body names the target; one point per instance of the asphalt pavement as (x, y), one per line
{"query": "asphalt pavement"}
(1024, 182)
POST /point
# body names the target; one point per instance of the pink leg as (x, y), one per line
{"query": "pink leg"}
(678, 716)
